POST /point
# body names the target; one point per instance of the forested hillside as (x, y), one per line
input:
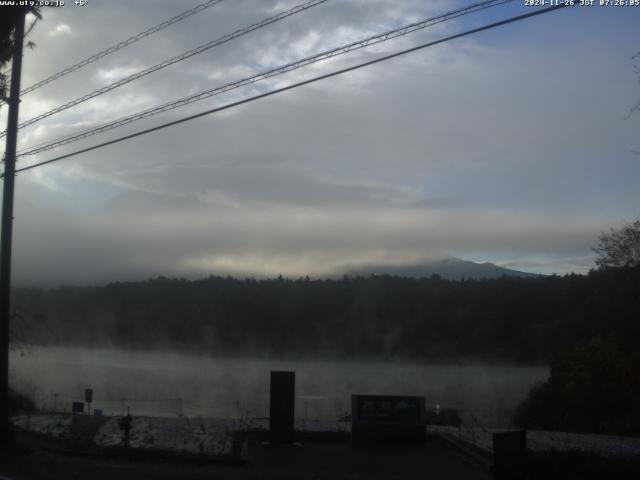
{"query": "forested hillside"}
(505, 319)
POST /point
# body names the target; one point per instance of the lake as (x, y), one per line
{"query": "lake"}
(170, 384)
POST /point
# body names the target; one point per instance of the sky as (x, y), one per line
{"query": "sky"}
(513, 146)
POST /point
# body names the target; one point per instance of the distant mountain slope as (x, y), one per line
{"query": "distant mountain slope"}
(450, 268)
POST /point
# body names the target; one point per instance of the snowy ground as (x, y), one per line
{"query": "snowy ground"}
(208, 436)
(214, 437)
(51, 425)
(542, 441)
(316, 426)
(187, 435)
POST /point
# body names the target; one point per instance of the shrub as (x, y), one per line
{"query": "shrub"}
(593, 387)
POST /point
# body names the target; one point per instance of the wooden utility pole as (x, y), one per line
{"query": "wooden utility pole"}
(6, 233)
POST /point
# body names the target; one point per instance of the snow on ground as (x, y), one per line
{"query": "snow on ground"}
(319, 426)
(316, 426)
(214, 437)
(183, 435)
(208, 436)
(543, 441)
(188, 435)
(52, 425)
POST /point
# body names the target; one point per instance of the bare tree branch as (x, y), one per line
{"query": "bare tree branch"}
(620, 247)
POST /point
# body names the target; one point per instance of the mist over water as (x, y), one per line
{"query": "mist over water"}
(169, 384)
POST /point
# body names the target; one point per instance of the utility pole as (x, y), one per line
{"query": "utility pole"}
(6, 233)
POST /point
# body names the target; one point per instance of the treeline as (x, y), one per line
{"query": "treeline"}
(505, 319)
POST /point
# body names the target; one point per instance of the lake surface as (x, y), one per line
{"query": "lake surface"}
(169, 384)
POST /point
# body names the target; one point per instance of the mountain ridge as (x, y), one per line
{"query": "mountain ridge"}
(449, 268)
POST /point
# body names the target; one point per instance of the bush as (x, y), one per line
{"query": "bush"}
(19, 403)
(593, 387)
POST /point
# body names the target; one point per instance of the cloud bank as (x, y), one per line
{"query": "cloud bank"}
(496, 147)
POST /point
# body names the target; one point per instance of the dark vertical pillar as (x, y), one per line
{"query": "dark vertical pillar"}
(7, 230)
(282, 406)
(88, 397)
(510, 455)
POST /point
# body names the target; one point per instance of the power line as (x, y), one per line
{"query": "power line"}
(173, 60)
(124, 43)
(372, 40)
(296, 85)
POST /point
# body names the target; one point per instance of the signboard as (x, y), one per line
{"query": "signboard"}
(281, 406)
(77, 407)
(377, 408)
(387, 418)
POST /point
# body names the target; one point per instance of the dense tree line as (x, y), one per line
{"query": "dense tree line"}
(506, 319)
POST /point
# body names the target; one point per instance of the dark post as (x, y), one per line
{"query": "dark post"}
(510, 455)
(7, 230)
(125, 426)
(282, 405)
(88, 397)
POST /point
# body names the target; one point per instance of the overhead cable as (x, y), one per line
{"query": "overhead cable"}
(295, 85)
(372, 40)
(173, 60)
(118, 46)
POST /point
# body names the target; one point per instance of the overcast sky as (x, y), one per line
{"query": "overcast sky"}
(511, 146)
